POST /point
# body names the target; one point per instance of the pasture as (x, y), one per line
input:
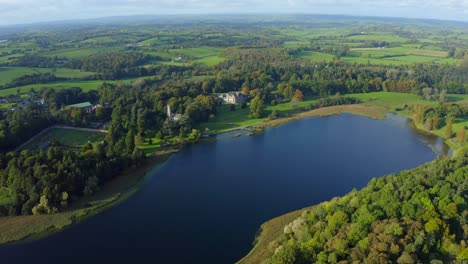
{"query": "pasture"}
(84, 85)
(66, 137)
(8, 74)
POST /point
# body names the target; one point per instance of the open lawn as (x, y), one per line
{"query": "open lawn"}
(226, 119)
(8, 74)
(379, 37)
(208, 56)
(85, 85)
(315, 56)
(82, 52)
(67, 137)
(6, 106)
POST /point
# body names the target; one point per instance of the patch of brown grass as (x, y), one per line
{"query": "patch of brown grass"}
(357, 109)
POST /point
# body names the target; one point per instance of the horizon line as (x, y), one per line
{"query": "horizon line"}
(94, 19)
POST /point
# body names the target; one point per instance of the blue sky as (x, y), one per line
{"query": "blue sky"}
(30, 11)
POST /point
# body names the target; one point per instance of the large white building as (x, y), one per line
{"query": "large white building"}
(232, 98)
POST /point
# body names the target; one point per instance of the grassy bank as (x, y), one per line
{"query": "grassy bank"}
(374, 105)
(27, 228)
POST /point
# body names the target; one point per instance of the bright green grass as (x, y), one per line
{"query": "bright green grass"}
(8, 74)
(150, 42)
(198, 52)
(68, 137)
(360, 60)
(295, 44)
(315, 56)
(208, 56)
(85, 85)
(66, 73)
(390, 100)
(6, 106)
(81, 52)
(210, 60)
(379, 52)
(379, 37)
(226, 119)
(99, 40)
(449, 61)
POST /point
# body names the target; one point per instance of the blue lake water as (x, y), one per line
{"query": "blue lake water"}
(207, 202)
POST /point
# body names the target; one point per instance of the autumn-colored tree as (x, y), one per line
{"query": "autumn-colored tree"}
(435, 123)
(461, 135)
(298, 95)
(449, 130)
(428, 124)
(245, 90)
(257, 107)
(418, 114)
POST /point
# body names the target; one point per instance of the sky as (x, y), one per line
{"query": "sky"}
(31, 11)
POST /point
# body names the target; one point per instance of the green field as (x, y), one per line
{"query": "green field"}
(379, 37)
(8, 74)
(85, 85)
(82, 52)
(67, 137)
(315, 56)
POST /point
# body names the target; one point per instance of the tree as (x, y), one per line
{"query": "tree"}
(273, 115)
(181, 133)
(448, 130)
(298, 95)
(418, 114)
(429, 124)
(294, 104)
(257, 107)
(196, 134)
(159, 135)
(461, 135)
(435, 123)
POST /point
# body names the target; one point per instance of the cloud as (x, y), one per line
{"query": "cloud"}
(25, 11)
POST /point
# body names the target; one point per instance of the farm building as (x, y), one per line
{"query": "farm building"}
(232, 98)
(85, 106)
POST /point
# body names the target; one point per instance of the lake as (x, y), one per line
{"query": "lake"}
(207, 202)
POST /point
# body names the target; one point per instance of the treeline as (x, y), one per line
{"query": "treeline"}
(418, 216)
(262, 68)
(33, 60)
(20, 125)
(434, 118)
(335, 100)
(36, 78)
(46, 181)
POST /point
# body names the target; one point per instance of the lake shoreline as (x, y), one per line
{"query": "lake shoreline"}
(24, 229)
(17, 229)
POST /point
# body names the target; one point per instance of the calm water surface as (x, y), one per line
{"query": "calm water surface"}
(207, 202)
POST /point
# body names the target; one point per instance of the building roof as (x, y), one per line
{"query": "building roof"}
(80, 105)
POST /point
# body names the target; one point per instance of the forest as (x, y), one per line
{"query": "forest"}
(417, 216)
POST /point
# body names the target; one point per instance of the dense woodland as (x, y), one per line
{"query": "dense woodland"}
(417, 216)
